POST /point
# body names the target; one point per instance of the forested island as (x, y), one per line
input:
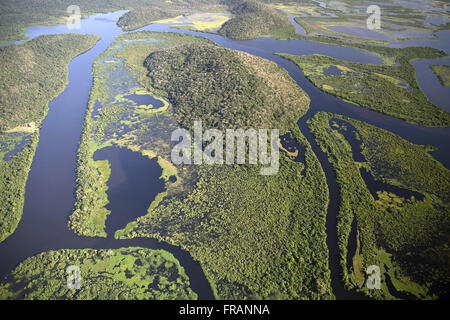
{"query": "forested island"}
(33, 74)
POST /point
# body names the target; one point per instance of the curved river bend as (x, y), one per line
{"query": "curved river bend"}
(50, 188)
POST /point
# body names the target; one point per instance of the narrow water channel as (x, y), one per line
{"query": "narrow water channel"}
(50, 187)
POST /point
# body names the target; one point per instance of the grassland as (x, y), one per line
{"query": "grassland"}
(127, 274)
(392, 90)
(31, 78)
(443, 73)
(407, 238)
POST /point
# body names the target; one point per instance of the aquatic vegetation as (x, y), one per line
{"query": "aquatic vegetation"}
(202, 15)
(250, 244)
(246, 94)
(392, 90)
(408, 239)
(118, 120)
(125, 273)
(345, 21)
(253, 19)
(443, 73)
(205, 21)
(298, 8)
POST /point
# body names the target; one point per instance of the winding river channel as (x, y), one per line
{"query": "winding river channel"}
(50, 188)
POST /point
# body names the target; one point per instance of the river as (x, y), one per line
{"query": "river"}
(50, 188)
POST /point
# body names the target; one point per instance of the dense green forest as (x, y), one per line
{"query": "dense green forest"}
(160, 9)
(141, 131)
(225, 88)
(390, 89)
(249, 243)
(16, 15)
(229, 218)
(32, 75)
(127, 274)
(253, 19)
(243, 237)
(407, 238)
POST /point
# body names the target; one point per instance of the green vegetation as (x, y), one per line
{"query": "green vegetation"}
(225, 88)
(390, 56)
(399, 21)
(443, 73)
(407, 238)
(27, 86)
(32, 75)
(126, 274)
(159, 9)
(250, 244)
(207, 21)
(117, 73)
(16, 15)
(138, 18)
(253, 19)
(392, 90)
(229, 218)
(13, 177)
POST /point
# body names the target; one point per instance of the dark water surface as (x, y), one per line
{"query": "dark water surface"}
(291, 145)
(145, 99)
(50, 187)
(133, 184)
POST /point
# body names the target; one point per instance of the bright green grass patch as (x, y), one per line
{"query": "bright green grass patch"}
(327, 87)
(125, 274)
